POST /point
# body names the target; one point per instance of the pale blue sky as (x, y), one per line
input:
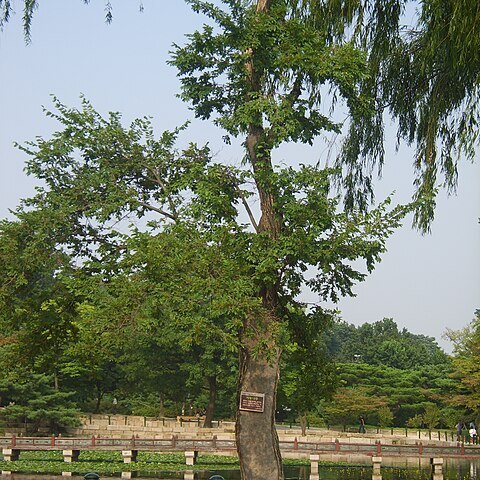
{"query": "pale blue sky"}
(426, 283)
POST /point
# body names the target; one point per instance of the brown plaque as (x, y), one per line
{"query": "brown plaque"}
(252, 402)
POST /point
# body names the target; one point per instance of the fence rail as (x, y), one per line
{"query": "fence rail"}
(213, 444)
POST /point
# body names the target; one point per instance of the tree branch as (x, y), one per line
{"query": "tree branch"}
(263, 5)
(247, 208)
(158, 210)
(163, 186)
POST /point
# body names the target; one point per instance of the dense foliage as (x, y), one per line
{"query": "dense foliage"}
(466, 361)
(391, 377)
(381, 343)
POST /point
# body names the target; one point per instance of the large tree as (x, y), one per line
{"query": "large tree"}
(98, 173)
(263, 73)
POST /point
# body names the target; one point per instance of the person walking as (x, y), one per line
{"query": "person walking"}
(473, 434)
(361, 429)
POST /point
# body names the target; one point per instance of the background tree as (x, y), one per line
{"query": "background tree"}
(33, 402)
(381, 343)
(466, 371)
(118, 337)
(405, 392)
(37, 310)
(308, 377)
(385, 417)
(209, 293)
(432, 416)
(348, 404)
(426, 76)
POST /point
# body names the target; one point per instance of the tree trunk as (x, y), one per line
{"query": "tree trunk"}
(212, 398)
(256, 435)
(257, 439)
(161, 408)
(303, 424)
(99, 399)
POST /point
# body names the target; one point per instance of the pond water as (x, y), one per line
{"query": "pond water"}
(454, 470)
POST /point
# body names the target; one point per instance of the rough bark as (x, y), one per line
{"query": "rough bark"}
(263, 5)
(257, 440)
(212, 398)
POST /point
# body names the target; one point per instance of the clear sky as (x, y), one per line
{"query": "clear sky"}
(425, 283)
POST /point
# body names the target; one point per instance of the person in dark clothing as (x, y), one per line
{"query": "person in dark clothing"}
(460, 427)
(361, 429)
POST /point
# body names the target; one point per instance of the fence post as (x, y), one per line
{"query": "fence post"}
(53, 441)
(314, 458)
(377, 462)
(437, 464)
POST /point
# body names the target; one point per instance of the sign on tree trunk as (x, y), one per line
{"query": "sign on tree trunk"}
(252, 402)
